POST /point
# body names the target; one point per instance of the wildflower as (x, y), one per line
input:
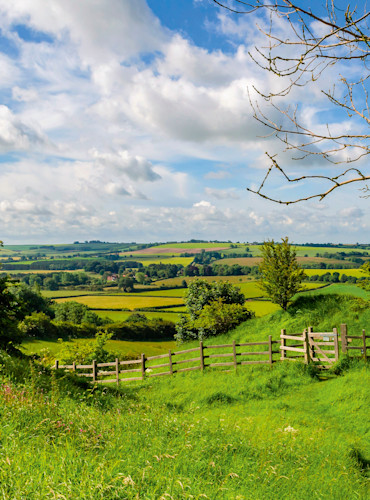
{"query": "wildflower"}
(290, 429)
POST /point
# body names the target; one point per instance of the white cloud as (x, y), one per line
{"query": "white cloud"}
(222, 194)
(135, 167)
(16, 134)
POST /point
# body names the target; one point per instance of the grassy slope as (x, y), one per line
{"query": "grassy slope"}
(262, 434)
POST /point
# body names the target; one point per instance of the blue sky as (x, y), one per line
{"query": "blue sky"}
(125, 121)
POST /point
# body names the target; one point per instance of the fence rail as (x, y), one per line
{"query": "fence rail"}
(308, 346)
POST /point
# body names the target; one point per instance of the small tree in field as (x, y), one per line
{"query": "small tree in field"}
(281, 275)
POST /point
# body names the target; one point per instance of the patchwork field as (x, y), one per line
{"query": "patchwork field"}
(123, 347)
(261, 307)
(303, 261)
(117, 316)
(162, 259)
(357, 273)
(178, 248)
(124, 302)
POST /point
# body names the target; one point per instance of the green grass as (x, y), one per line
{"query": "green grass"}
(163, 259)
(349, 272)
(117, 316)
(124, 302)
(261, 307)
(55, 294)
(263, 434)
(133, 349)
(342, 289)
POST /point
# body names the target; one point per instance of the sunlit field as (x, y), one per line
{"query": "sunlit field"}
(121, 302)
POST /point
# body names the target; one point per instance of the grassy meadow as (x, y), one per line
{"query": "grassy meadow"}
(129, 302)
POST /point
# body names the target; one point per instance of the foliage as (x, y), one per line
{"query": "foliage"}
(281, 275)
(38, 325)
(365, 283)
(126, 283)
(138, 328)
(84, 352)
(29, 300)
(213, 307)
(77, 313)
(201, 292)
(215, 318)
(9, 312)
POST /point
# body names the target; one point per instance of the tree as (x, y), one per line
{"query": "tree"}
(281, 275)
(301, 44)
(126, 283)
(214, 308)
(201, 292)
(365, 282)
(9, 311)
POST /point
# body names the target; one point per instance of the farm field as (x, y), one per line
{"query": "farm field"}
(124, 302)
(55, 294)
(42, 271)
(357, 273)
(166, 314)
(124, 348)
(341, 289)
(303, 261)
(261, 307)
(184, 261)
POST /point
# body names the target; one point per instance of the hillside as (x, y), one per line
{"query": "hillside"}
(265, 433)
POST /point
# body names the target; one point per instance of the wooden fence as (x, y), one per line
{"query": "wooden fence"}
(319, 347)
(202, 357)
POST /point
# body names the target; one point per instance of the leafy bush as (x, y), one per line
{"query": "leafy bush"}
(38, 325)
(139, 329)
(215, 318)
(214, 308)
(86, 352)
(77, 313)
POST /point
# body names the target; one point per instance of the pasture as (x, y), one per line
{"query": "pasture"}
(133, 349)
(166, 314)
(129, 302)
(357, 273)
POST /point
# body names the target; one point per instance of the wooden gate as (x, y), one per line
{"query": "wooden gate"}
(323, 347)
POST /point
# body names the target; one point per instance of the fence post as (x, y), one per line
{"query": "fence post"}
(307, 358)
(74, 366)
(201, 355)
(310, 342)
(283, 344)
(343, 337)
(170, 361)
(94, 373)
(336, 344)
(56, 364)
(117, 371)
(270, 349)
(142, 366)
(364, 344)
(234, 357)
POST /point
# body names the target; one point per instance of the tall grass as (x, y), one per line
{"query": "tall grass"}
(273, 434)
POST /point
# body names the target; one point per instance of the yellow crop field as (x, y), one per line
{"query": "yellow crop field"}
(172, 282)
(261, 307)
(123, 302)
(349, 272)
(163, 259)
(117, 316)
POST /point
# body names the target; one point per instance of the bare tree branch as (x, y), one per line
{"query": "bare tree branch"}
(316, 40)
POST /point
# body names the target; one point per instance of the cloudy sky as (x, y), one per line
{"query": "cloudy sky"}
(126, 120)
